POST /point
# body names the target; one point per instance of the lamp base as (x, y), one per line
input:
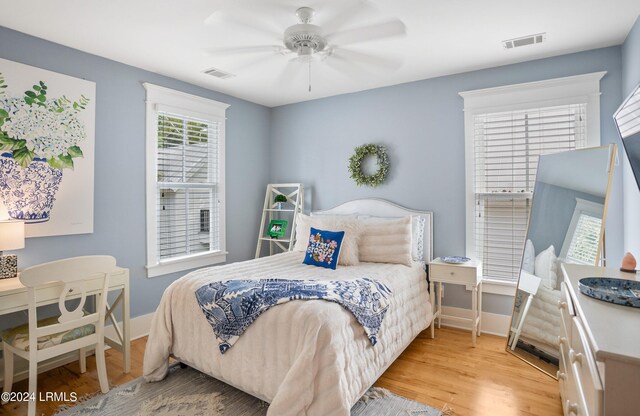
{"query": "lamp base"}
(8, 266)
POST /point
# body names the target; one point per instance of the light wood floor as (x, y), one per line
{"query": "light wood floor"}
(444, 371)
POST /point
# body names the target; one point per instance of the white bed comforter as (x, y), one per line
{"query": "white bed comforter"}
(304, 357)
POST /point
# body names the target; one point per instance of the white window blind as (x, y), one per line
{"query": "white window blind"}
(187, 186)
(506, 148)
(584, 242)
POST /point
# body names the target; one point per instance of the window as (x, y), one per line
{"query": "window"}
(205, 221)
(506, 130)
(583, 236)
(185, 181)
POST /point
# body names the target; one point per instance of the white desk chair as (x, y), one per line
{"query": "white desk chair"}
(529, 285)
(72, 331)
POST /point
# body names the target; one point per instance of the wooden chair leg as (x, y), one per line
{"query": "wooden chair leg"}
(102, 367)
(33, 386)
(8, 370)
(83, 360)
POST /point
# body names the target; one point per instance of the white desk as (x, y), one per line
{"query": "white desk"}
(13, 298)
(467, 274)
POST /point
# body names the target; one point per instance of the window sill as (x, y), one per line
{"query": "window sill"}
(498, 287)
(186, 263)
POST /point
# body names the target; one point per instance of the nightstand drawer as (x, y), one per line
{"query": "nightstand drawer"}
(453, 274)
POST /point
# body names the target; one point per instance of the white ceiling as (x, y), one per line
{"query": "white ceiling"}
(443, 37)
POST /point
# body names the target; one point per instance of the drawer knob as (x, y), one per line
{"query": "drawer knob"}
(575, 358)
(560, 375)
(562, 305)
(572, 408)
(562, 340)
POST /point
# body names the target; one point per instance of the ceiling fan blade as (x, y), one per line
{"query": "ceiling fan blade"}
(343, 66)
(222, 18)
(252, 63)
(271, 11)
(388, 29)
(370, 61)
(289, 74)
(245, 50)
(353, 64)
(341, 13)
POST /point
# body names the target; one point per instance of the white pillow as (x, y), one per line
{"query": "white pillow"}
(349, 253)
(386, 240)
(417, 233)
(546, 267)
(529, 258)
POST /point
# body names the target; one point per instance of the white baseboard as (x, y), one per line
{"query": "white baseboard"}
(492, 323)
(140, 326)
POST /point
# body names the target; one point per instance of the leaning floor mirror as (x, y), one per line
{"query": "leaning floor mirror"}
(566, 225)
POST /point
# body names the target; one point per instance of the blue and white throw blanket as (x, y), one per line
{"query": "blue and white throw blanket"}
(231, 306)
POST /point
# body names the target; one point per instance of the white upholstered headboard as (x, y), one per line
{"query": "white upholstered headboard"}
(382, 208)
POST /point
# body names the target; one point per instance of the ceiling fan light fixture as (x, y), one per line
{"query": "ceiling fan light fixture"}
(304, 38)
(305, 51)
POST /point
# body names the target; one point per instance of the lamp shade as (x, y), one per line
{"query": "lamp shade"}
(11, 235)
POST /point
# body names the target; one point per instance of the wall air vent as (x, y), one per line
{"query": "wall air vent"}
(524, 41)
(215, 72)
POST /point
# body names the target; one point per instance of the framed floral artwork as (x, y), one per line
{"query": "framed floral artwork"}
(47, 140)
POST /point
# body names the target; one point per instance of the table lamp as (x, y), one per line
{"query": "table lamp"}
(11, 238)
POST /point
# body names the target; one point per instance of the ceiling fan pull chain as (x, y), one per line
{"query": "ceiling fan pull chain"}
(309, 75)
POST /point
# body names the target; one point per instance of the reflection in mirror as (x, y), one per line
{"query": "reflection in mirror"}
(566, 225)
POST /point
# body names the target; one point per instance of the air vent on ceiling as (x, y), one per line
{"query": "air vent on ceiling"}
(218, 73)
(524, 41)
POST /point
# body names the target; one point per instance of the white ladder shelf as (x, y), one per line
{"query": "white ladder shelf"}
(290, 209)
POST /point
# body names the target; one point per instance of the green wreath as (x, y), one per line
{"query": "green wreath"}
(355, 165)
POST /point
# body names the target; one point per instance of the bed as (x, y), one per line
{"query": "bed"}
(303, 357)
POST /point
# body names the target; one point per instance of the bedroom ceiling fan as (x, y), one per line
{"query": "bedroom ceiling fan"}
(306, 42)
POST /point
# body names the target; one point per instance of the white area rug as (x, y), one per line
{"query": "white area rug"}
(187, 392)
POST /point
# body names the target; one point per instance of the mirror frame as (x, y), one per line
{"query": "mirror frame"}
(613, 152)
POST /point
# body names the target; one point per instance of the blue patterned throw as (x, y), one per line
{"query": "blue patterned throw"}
(231, 306)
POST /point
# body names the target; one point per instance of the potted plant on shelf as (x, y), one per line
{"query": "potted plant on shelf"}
(279, 199)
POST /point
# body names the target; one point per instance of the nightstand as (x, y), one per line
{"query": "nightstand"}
(467, 274)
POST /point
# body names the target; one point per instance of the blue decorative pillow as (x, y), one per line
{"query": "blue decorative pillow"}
(324, 248)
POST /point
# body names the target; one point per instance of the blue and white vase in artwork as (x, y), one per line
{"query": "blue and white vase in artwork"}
(28, 193)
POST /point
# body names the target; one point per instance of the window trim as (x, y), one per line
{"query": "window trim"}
(576, 89)
(163, 99)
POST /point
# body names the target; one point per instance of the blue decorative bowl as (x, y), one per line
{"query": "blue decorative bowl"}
(619, 291)
(455, 259)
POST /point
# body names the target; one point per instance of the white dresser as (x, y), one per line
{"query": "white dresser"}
(599, 349)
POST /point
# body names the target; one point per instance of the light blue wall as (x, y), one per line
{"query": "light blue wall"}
(422, 124)
(631, 78)
(119, 220)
